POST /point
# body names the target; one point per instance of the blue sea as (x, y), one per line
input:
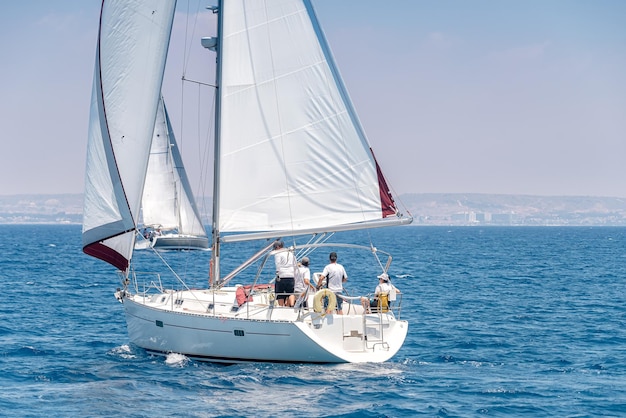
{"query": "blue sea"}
(511, 321)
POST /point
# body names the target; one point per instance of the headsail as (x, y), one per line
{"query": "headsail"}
(293, 155)
(133, 39)
(168, 200)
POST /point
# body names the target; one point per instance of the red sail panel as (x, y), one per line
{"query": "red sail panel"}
(104, 253)
(388, 205)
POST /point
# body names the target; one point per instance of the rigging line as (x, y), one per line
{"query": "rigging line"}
(182, 82)
(184, 69)
(204, 155)
(200, 190)
(198, 82)
(171, 269)
(182, 100)
(187, 44)
(198, 118)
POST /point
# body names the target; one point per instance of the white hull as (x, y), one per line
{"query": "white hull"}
(180, 242)
(143, 244)
(174, 242)
(211, 326)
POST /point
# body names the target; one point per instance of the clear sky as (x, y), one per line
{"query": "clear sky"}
(512, 97)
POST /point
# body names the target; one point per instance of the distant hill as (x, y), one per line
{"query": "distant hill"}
(27, 208)
(495, 209)
(426, 208)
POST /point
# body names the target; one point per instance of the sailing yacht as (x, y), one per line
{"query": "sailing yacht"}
(291, 161)
(171, 219)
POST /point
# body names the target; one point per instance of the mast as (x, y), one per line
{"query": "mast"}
(214, 275)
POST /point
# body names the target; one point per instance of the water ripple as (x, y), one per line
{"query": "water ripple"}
(521, 322)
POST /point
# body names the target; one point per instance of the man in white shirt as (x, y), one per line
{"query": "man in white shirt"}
(335, 276)
(302, 283)
(285, 272)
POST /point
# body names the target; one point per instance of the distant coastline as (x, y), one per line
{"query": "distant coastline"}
(520, 210)
(41, 209)
(462, 209)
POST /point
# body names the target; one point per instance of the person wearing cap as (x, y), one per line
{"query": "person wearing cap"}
(285, 273)
(335, 276)
(302, 284)
(384, 286)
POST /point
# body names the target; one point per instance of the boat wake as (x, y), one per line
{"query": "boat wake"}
(177, 360)
(122, 352)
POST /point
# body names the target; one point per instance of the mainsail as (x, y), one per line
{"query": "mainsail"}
(300, 161)
(133, 39)
(168, 201)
